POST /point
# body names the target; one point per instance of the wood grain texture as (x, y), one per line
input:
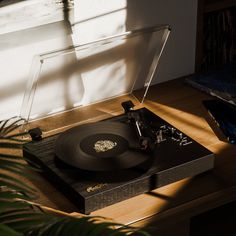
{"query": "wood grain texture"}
(181, 106)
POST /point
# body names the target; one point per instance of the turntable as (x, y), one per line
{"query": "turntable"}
(91, 133)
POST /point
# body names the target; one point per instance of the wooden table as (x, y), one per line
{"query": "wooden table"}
(170, 207)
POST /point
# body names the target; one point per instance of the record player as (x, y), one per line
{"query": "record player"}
(91, 132)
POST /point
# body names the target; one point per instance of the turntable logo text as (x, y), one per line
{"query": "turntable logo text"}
(95, 187)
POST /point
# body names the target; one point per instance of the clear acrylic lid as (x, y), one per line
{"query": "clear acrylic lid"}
(88, 82)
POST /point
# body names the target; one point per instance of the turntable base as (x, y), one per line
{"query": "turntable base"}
(171, 161)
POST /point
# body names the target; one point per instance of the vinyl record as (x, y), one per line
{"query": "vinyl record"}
(101, 146)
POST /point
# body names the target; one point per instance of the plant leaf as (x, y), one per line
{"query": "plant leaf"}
(24, 225)
(71, 226)
(34, 222)
(11, 212)
(16, 135)
(19, 182)
(51, 228)
(10, 145)
(18, 215)
(5, 230)
(97, 229)
(13, 186)
(5, 129)
(8, 157)
(19, 171)
(16, 187)
(17, 157)
(4, 124)
(16, 165)
(6, 205)
(13, 195)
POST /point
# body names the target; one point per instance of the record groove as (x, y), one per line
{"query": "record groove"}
(101, 146)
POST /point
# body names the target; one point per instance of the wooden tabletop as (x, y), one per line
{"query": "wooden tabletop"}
(180, 105)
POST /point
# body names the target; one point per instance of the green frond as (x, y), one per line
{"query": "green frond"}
(13, 181)
(16, 165)
(5, 230)
(9, 126)
(10, 194)
(7, 205)
(16, 135)
(4, 124)
(11, 145)
(16, 157)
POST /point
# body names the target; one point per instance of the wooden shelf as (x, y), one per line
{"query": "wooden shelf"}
(215, 5)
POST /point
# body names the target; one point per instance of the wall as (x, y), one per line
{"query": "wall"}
(30, 33)
(179, 56)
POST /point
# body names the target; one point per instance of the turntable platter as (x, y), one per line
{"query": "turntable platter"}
(102, 146)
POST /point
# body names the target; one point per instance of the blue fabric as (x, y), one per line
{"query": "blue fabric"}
(220, 83)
